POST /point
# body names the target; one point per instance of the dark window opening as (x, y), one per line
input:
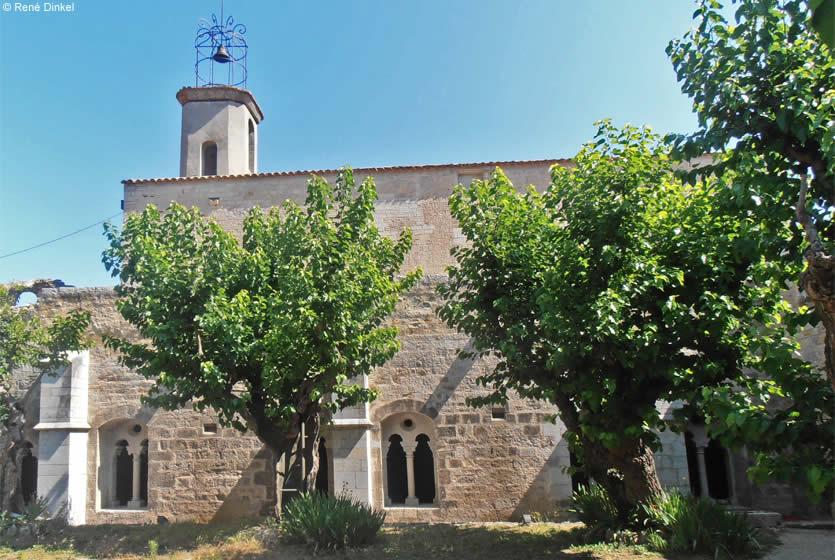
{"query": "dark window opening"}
(209, 159)
(498, 413)
(210, 429)
(28, 475)
(692, 465)
(716, 469)
(323, 476)
(124, 474)
(424, 471)
(143, 472)
(716, 460)
(396, 471)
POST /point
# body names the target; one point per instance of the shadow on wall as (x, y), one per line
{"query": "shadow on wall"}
(448, 384)
(253, 494)
(551, 481)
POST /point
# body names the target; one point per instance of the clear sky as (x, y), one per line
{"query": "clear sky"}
(87, 98)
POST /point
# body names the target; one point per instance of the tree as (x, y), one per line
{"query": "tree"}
(823, 20)
(764, 93)
(268, 332)
(763, 90)
(27, 340)
(615, 289)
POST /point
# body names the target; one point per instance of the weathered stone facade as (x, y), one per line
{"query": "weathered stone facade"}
(418, 450)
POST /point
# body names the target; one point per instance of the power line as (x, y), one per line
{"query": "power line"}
(85, 228)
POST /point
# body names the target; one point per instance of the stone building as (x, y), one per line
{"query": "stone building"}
(418, 450)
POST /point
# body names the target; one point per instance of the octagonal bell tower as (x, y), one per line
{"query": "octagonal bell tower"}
(220, 116)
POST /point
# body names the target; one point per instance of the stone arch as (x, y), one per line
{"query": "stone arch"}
(122, 473)
(409, 437)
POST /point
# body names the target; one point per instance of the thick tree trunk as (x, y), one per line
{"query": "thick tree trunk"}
(295, 462)
(627, 472)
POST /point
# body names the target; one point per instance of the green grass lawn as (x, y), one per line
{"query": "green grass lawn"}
(184, 541)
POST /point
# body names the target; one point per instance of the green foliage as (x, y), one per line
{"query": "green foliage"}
(26, 340)
(618, 287)
(331, 523)
(678, 523)
(595, 508)
(153, 549)
(270, 331)
(763, 88)
(823, 20)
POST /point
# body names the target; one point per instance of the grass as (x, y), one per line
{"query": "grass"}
(188, 541)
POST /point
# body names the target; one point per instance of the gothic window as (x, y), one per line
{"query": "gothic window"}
(251, 147)
(409, 463)
(396, 471)
(122, 478)
(209, 159)
(424, 471)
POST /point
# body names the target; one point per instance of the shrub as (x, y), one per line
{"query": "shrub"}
(678, 523)
(596, 509)
(331, 523)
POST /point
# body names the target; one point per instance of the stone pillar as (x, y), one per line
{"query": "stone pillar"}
(409, 448)
(135, 501)
(63, 437)
(700, 440)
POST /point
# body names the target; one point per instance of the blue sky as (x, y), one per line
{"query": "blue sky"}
(87, 98)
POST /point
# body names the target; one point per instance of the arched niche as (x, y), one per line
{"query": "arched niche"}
(410, 472)
(122, 473)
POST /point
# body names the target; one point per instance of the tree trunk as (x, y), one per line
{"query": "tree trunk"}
(295, 462)
(818, 281)
(627, 472)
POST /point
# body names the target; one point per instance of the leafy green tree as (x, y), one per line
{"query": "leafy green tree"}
(27, 340)
(270, 332)
(615, 289)
(823, 20)
(763, 88)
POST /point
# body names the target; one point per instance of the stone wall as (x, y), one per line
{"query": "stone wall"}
(408, 197)
(191, 474)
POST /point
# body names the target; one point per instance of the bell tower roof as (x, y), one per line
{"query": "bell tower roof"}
(222, 93)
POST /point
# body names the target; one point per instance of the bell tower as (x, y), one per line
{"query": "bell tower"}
(219, 134)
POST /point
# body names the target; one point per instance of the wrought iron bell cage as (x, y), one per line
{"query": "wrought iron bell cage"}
(220, 50)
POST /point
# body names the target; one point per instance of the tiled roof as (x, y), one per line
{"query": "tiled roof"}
(362, 170)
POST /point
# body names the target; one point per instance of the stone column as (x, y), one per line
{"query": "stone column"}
(135, 501)
(409, 448)
(700, 440)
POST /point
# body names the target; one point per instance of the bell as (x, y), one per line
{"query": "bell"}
(222, 55)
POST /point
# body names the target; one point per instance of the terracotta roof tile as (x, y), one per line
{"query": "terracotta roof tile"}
(362, 170)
